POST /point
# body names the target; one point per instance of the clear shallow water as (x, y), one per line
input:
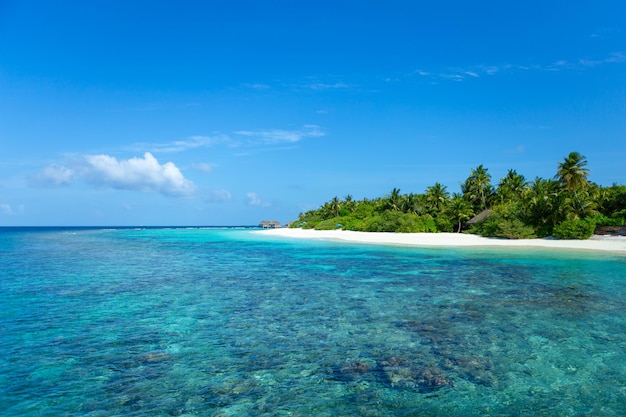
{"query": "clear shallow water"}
(216, 322)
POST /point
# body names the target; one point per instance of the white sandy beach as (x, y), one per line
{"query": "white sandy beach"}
(596, 243)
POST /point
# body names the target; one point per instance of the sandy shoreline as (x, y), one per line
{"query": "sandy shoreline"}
(596, 243)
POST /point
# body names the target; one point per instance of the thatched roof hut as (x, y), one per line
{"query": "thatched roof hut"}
(480, 217)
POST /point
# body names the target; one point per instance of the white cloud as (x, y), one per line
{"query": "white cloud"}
(255, 200)
(283, 136)
(55, 175)
(141, 174)
(137, 174)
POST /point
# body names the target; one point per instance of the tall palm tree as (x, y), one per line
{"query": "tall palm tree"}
(394, 201)
(477, 187)
(572, 174)
(437, 197)
(349, 202)
(335, 206)
(460, 210)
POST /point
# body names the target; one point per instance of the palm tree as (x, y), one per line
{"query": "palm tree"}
(335, 206)
(436, 198)
(460, 210)
(394, 201)
(477, 187)
(612, 199)
(572, 174)
(414, 204)
(511, 187)
(349, 203)
(544, 204)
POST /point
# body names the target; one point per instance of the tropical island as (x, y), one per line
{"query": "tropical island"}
(567, 206)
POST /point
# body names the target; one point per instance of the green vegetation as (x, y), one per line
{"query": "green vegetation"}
(567, 206)
(574, 229)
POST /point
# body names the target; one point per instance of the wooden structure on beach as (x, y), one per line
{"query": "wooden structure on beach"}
(269, 224)
(610, 230)
(480, 217)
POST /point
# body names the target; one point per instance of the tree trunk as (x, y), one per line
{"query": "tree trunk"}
(579, 203)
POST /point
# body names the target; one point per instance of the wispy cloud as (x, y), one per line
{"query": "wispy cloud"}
(320, 84)
(257, 86)
(452, 77)
(264, 136)
(605, 33)
(615, 58)
(55, 175)
(191, 142)
(477, 71)
(520, 149)
(327, 86)
(490, 69)
(139, 174)
(8, 210)
(274, 136)
(202, 167)
(217, 196)
(255, 200)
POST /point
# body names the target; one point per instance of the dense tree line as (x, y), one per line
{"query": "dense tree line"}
(565, 206)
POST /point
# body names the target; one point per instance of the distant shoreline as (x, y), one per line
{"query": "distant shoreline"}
(596, 243)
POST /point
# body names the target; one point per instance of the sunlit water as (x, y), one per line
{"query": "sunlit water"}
(216, 322)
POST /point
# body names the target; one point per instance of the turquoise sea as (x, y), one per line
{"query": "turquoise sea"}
(227, 322)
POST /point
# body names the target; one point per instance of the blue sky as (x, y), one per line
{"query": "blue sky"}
(231, 112)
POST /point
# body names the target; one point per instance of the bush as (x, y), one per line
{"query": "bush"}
(602, 220)
(307, 221)
(498, 226)
(309, 225)
(396, 221)
(329, 224)
(363, 211)
(444, 223)
(574, 229)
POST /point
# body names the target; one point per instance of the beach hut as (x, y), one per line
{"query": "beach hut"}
(269, 224)
(480, 217)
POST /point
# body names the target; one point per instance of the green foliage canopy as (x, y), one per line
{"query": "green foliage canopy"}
(567, 206)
